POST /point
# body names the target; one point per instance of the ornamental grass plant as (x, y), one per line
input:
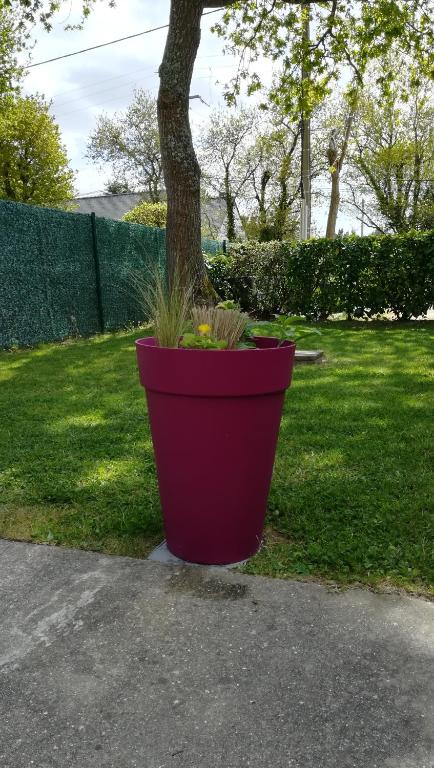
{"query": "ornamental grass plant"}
(226, 325)
(167, 306)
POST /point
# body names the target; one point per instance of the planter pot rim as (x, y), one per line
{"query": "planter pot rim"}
(151, 341)
(214, 373)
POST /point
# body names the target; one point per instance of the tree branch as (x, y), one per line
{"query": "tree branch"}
(328, 29)
(347, 132)
(366, 216)
(198, 96)
(350, 61)
(218, 3)
(227, 3)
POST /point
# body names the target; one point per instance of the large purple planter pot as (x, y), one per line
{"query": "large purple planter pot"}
(215, 419)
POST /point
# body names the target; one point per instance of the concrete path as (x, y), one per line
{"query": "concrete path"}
(110, 662)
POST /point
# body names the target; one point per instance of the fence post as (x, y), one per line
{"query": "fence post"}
(97, 272)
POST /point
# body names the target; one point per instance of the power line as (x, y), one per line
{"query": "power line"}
(106, 101)
(55, 107)
(91, 106)
(133, 72)
(94, 47)
(99, 82)
(110, 42)
(150, 73)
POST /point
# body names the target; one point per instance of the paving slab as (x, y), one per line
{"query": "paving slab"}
(109, 662)
(309, 356)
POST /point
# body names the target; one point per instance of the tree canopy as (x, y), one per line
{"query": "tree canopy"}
(392, 155)
(32, 12)
(344, 34)
(130, 143)
(226, 157)
(12, 41)
(33, 163)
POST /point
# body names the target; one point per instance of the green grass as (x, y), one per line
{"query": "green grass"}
(352, 494)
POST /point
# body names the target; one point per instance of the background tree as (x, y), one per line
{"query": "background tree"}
(338, 125)
(30, 13)
(344, 34)
(347, 33)
(12, 41)
(227, 159)
(117, 187)
(274, 182)
(130, 143)
(392, 161)
(33, 163)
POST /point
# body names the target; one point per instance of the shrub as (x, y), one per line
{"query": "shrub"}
(360, 276)
(149, 214)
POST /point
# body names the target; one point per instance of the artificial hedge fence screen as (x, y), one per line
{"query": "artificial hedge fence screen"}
(360, 276)
(71, 274)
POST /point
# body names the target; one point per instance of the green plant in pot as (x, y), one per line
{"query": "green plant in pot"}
(281, 328)
(215, 399)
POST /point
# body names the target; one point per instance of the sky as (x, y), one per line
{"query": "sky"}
(103, 81)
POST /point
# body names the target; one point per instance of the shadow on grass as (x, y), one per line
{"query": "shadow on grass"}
(77, 443)
(351, 492)
(352, 488)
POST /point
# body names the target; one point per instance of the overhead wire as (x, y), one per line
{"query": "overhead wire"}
(152, 72)
(109, 42)
(85, 86)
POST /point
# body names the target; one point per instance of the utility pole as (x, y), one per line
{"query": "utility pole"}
(362, 230)
(305, 219)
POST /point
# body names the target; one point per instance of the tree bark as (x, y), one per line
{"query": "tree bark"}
(336, 161)
(283, 205)
(230, 208)
(265, 178)
(180, 166)
(335, 198)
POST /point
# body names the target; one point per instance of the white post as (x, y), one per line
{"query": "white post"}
(306, 214)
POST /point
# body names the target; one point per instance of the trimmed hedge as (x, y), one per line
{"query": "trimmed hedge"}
(360, 276)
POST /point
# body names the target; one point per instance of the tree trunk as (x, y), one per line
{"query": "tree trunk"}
(334, 204)
(180, 166)
(262, 217)
(334, 166)
(281, 214)
(336, 161)
(8, 187)
(230, 209)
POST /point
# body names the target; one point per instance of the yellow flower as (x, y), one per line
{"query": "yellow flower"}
(204, 329)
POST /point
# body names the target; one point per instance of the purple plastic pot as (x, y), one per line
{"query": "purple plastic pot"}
(265, 342)
(215, 417)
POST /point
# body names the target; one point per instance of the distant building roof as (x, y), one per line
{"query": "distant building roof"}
(109, 206)
(116, 206)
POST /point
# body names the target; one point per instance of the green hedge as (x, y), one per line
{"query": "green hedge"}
(360, 276)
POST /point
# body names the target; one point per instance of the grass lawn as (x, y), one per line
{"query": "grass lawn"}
(352, 494)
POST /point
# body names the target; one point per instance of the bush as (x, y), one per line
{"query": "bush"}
(360, 276)
(149, 214)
